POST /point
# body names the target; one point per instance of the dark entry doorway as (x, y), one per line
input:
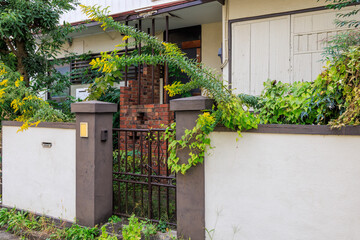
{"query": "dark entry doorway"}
(189, 41)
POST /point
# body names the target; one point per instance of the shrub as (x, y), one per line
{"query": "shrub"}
(20, 103)
(333, 98)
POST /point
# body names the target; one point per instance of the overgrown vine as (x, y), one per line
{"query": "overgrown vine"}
(228, 109)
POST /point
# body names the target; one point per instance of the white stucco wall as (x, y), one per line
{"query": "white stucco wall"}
(37, 179)
(210, 43)
(96, 43)
(283, 187)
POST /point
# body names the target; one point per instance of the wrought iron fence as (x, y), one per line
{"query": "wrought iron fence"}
(143, 184)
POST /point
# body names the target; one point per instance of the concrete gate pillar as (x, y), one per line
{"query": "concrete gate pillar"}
(190, 188)
(94, 192)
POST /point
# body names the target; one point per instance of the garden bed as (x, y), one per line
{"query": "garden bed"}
(36, 227)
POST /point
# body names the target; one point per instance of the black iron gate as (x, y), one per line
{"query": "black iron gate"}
(142, 182)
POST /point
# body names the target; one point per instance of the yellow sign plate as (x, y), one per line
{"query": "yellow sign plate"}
(84, 130)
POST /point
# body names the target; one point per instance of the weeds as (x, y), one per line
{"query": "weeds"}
(105, 236)
(76, 232)
(133, 230)
(114, 219)
(162, 227)
(25, 224)
(149, 229)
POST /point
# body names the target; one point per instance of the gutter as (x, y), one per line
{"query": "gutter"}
(152, 11)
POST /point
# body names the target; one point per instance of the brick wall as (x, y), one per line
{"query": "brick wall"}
(146, 114)
(131, 92)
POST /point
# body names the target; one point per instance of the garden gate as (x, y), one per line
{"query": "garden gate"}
(142, 182)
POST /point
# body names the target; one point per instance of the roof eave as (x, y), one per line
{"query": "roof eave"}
(154, 10)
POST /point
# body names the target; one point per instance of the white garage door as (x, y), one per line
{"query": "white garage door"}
(286, 49)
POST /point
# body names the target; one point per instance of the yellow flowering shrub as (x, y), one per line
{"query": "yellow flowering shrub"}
(19, 103)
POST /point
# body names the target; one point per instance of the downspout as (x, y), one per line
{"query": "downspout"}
(225, 17)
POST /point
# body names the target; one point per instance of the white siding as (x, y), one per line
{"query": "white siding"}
(241, 60)
(279, 60)
(259, 53)
(286, 49)
(115, 6)
(309, 34)
(260, 50)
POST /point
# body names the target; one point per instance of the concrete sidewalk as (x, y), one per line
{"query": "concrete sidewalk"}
(7, 236)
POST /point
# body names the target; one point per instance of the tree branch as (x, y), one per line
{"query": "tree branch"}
(4, 3)
(21, 56)
(11, 46)
(4, 51)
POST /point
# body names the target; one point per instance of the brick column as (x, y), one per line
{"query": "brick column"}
(94, 192)
(190, 187)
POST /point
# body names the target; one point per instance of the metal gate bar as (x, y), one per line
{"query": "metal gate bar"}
(143, 183)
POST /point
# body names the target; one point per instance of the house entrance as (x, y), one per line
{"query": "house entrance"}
(142, 182)
(189, 41)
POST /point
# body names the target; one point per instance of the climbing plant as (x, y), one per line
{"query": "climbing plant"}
(343, 18)
(343, 40)
(342, 80)
(228, 109)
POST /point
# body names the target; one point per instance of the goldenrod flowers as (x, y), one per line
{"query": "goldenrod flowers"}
(103, 64)
(18, 102)
(89, 11)
(2, 70)
(174, 88)
(4, 82)
(2, 73)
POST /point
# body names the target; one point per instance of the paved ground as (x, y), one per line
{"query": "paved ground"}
(7, 236)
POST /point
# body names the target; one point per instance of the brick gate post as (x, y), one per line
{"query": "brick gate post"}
(94, 192)
(190, 188)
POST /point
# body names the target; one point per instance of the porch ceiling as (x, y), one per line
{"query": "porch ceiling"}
(191, 16)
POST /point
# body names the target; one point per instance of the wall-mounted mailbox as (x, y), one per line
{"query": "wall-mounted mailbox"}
(84, 130)
(104, 135)
(46, 144)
